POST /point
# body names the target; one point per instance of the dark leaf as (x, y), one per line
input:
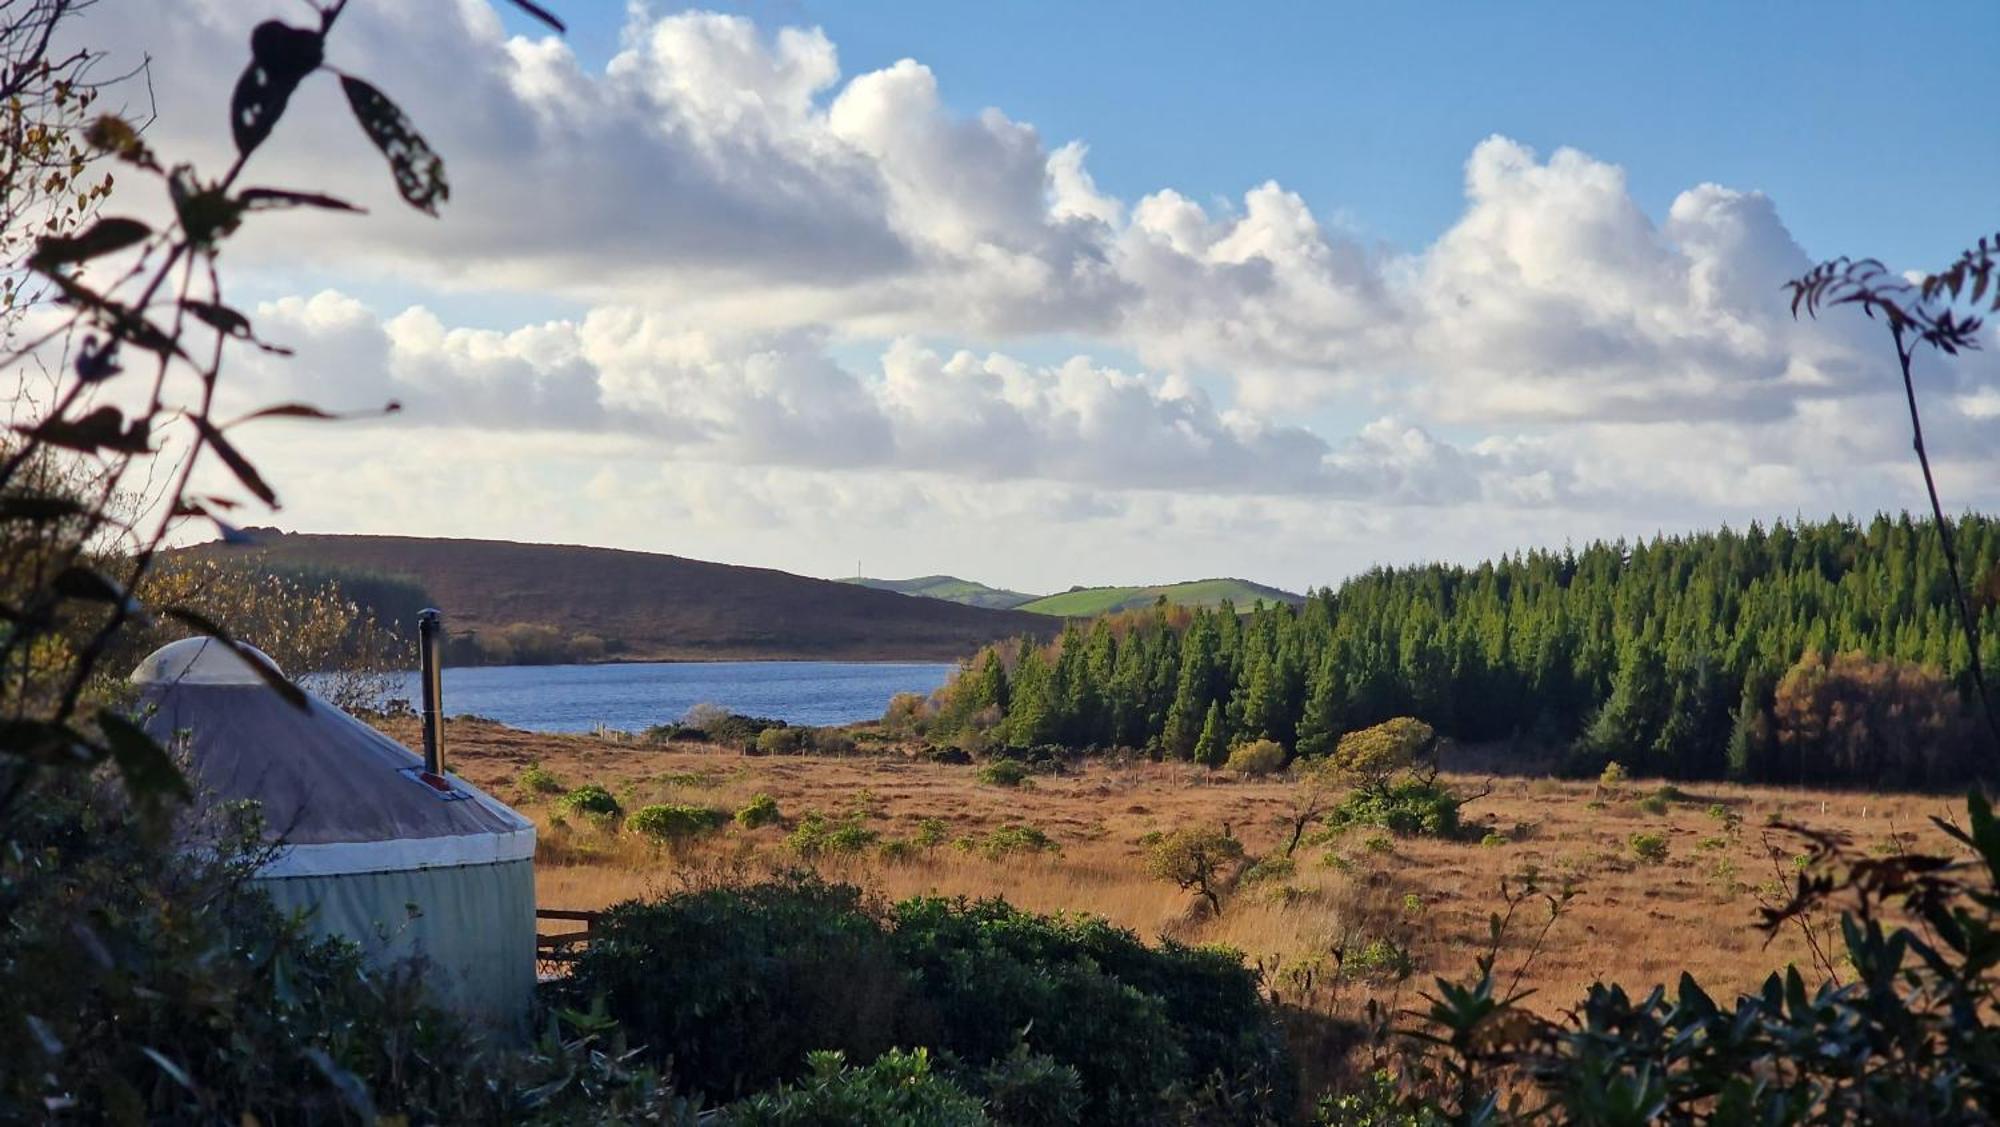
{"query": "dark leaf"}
(419, 171)
(237, 463)
(308, 411)
(150, 773)
(102, 429)
(97, 359)
(202, 624)
(230, 323)
(540, 13)
(207, 214)
(79, 582)
(23, 507)
(103, 237)
(268, 199)
(280, 58)
(118, 137)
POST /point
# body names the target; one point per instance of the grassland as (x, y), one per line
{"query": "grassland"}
(1086, 602)
(1357, 916)
(951, 589)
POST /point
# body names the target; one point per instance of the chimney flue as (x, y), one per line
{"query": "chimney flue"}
(430, 638)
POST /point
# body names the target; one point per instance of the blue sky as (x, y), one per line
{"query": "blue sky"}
(1849, 114)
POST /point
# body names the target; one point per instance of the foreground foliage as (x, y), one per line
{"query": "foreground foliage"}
(736, 987)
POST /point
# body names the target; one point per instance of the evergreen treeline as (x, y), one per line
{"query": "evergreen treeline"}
(1809, 652)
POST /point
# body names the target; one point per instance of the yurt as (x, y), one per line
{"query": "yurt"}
(369, 844)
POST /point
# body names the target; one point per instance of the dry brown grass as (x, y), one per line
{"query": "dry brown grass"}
(1634, 922)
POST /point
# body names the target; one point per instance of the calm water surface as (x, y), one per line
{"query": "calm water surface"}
(577, 698)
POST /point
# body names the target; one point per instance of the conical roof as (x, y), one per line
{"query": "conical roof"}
(339, 796)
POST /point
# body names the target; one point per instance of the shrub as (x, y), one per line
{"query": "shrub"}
(537, 779)
(898, 1088)
(1379, 958)
(1379, 843)
(1257, 758)
(1196, 858)
(591, 801)
(1410, 807)
(736, 986)
(1653, 805)
(781, 741)
(897, 851)
(818, 836)
(1613, 776)
(1494, 841)
(674, 822)
(1268, 868)
(1012, 838)
(760, 811)
(1374, 756)
(1004, 773)
(829, 741)
(1026, 1089)
(931, 833)
(1649, 847)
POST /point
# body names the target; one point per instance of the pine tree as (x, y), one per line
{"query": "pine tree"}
(1212, 748)
(1320, 727)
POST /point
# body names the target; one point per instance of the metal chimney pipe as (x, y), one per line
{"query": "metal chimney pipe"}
(430, 637)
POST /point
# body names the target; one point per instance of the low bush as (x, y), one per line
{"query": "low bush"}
(818, 836)
(898, 1088)
(1011, 839)
(1649, 847)
(1409, 807)
(1004, 773)
(737, 986)
(760, 811)
(897, 851)
(1256, 758)
(931, 833)
(591, 801)
(1613, 776)
(782, 741)
(1378, 958)
(673, 822)
(1653, 805)
(1197, 858)
(1268, 868)
(537, 779)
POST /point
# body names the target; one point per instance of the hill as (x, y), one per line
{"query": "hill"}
(1084, 602)
(648, 606)
(951, 589)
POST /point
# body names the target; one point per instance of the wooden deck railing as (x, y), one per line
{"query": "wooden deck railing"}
(555, 951)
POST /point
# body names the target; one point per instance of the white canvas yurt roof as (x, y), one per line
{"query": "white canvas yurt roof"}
(362, 832)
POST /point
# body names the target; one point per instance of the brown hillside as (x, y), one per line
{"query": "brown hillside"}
(659, 606)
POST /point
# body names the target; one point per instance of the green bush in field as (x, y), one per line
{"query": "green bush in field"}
(760, 811)
(675, 822)
(931, 833)
(1010, 839)
(1004, 773)
(1409, 807)
(781, 741)
(897, 851)
(818, 836)
(537, 779)
(1653, 805)
(591, 801)
(1256, 758)
(1649, 847)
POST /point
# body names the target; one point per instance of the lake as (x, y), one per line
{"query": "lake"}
(631, 697)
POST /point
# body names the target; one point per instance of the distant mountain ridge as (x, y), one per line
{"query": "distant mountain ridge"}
(951, 589)
(649, 606)
(1084, 602)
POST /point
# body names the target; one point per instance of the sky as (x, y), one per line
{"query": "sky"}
(1044, 295)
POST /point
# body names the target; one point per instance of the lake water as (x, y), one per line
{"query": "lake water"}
(630, 697)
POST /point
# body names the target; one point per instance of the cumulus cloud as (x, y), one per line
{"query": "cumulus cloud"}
(778, 398)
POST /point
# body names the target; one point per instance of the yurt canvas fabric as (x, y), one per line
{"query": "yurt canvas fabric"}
(365, 846)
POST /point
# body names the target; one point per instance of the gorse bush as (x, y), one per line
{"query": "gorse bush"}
(1649, 847)
(818, 836)
(736, 987)
(537, 779)
(672, 822)
(1409, 807)
(1256, 758)
(760, 811)
(1011, 839)
(591, 801)
(1004, 773)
